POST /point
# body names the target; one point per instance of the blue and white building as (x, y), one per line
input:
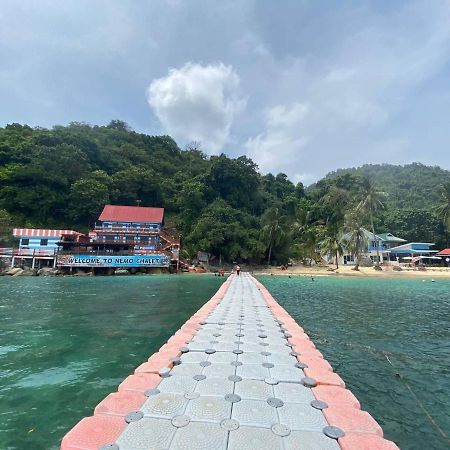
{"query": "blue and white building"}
(38, 246)
(414, 251)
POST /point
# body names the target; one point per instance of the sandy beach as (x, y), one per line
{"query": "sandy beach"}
(301, 270)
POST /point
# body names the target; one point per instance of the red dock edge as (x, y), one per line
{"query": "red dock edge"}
(362, 432)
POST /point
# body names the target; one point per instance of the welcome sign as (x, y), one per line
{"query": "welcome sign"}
(113, 261)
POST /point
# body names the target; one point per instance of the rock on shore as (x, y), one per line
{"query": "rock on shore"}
(27, 272)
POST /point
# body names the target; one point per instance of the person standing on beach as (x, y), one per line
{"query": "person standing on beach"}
(238, 269)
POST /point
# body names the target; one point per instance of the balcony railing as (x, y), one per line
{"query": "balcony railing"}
(373, 248)
(121, 241)
(116, 253)
(28, 252)
(133, 230)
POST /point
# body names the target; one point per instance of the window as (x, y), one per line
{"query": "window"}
(25, 241)
(44, 242)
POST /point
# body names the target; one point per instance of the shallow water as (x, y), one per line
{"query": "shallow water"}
(65, 343)
(370, 330)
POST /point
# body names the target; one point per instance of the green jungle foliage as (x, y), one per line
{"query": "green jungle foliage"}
(63, 177)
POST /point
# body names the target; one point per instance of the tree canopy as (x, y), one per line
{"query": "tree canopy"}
(62, 177)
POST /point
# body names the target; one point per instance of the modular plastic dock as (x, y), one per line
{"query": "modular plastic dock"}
(239, 374)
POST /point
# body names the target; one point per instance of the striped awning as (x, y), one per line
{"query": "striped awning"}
(40, 232)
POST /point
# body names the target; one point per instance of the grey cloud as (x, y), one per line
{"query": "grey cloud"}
(325, 87)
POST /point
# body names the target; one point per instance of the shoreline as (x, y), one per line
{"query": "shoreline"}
(386, 272)
(300, 270)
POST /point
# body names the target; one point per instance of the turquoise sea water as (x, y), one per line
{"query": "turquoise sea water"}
(65, 343)
(370, 330)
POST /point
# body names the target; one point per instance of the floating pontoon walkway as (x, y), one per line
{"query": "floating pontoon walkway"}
(239, 374)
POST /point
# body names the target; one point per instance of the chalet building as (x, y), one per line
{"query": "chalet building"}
(38, 247)
(377, 244)
(388, 240)
(129, 237)
(414, 251)
(139, 226)
(391, 249)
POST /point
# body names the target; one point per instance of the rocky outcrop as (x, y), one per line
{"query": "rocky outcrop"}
(121, 272)
(48, 272)
(14, 271)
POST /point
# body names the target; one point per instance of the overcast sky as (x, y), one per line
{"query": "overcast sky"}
(301, 87)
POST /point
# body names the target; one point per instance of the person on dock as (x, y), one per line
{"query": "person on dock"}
(238, 270)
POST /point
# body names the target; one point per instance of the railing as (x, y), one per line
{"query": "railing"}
(26, 252)
(169, 238)
(126, 230)
(163, 233)
(116, 253)
(118, 241)
(372, 248)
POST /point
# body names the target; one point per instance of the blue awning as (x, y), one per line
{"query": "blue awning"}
(409, 251)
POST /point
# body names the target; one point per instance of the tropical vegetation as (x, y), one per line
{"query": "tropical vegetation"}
(61, 177)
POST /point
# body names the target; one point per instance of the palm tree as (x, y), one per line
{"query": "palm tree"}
(443, 209)
(335, 201)
(272, 229)
(332, 245)
(369, 205)
(305, 235)
(301, 223)
(308, 243)
(355, 238)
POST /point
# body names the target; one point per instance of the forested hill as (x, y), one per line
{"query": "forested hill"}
(62, 177)
(410, 186)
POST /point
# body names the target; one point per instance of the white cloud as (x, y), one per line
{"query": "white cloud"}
(281, 144)
(197, 103)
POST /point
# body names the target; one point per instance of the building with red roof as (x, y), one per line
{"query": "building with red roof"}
(128, 237)
(138, 225)
(132, 214)
(124, 236)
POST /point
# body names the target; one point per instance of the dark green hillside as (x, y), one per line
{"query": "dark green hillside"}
(411, 186)
(62, 177)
